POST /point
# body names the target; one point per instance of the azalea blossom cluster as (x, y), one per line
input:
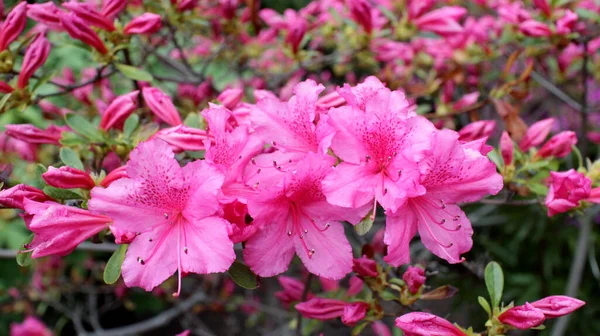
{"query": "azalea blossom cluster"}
(350, 138)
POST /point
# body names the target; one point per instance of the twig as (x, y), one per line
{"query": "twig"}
(70, 88)
(157, 321)
(524, 202)
(93, 311)
(558, 93)
(85, 246)
(304, 295)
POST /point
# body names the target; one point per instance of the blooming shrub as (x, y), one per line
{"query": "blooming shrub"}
(207, 143)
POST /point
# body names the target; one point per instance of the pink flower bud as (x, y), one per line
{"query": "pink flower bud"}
(60, 228)
(292, 290)
(557, 305)
(31, 326)
(559, 145)
(425, 324)
(45, 13)
(34, 135)
(523, 317)
(379, 327)
(122, 236)
(543, 6)
(161, 105)
(534, 29)
(68, 177)
(297, 27)
(114, 175)
(566, 24)
(536, 134)
(414, 277)
(185, 5)
(182, 138)
(230, 98)
(355, 286)
(147, 23)
(77, 29)
(35, 56)
(89, 15)
(13, 25)
(477, 130)
(14, 197)
(442, 21)
(119, 110)
(321, 308)
(5, 88)
(418, 8)
(354, 312)
(332, 99)
(111, 8)
(360, 10)
(506, 148)
(566, 190)
(365, 267)
(466, 101)
(329, 285)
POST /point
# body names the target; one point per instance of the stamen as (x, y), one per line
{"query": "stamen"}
(178, 261)
(374, 209)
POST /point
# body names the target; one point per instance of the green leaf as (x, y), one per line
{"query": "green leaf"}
(70, 158)
(4, 100)
(72, 139)
(388, 296)
(495, 157)
(61, 194)
(38, 181)
(112, 271)
(537, 188)
(192, 120)
(588, 14)
(24, 259)
(134, 73)
(359, 328)
(85, 128)
(130, 125)
(243, 276)
(44, 79)
(485, 305)
(494, 281)
(365, 224)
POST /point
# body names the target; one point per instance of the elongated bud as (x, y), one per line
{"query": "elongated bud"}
(89, 15)
(544, 6)
(534, 29)
(365, 267)
(68, 177)
(557, 305)
(185, 5)
(13, 197)
(35, 57)
(13, 25)
(559, 145)
(425, 324)
(506, 148)
(536, 134)
(414, 277)
(360, 10)
(354, 312)
(45, 13)
(466, 101)
(566, 190)
(297, 27)
(523, 317)
(77, 29)
(230, 98)
(161, 105)
(442, 21)
(355, 286)
(321, 308)
(147, 23)
(119, 110)
(34, 135)
(111, 8)
(477, 130)
(114, 175)
(182, 138)
(5, 88)
(292, 290)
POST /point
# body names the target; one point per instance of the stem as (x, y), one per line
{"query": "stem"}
(304, 295)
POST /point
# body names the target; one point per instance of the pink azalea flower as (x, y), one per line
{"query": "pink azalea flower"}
(453, 173)
(442, 21)
(58, 228)
(295, 217)
(560, 145)
(365, 267)
(566, 190)
(536, 134)
(557, 305)
(380, 141)
(566, 24)
(425, 324)
(31, 326)
(523, 317)
(35, 56)
(15, 196)
(534, 29)
(174, 211)
(354, 312)
(477, 130)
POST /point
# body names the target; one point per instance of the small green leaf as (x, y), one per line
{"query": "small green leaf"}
(243, 276)
(130, 125)
(134, 73)
(112, 271)
(494, 281)
(24, 258)
(38, 181)
(70, 158)
(72, 139)
(365, 224)
(193, 120)
(85, 128)
(44, 79)
(359, 328)
(495, 157)
(388, 296)
(485, 305)
(537, 188)
(4, 100)
(61, 194)
(588, 14)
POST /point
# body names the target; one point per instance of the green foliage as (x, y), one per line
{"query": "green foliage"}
(112, 271)
(243, 276)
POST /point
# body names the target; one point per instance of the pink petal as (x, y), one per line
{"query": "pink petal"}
(399, 231)
(206, 246)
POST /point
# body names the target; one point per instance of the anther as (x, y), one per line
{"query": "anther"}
(166, 215)
(289, 233)
(185, 250)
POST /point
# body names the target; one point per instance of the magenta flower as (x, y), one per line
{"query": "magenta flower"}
(365, 267)
(453, 173)
(425, 324)
(147, 23)
(161, 105)
(544, 6)
(89, 15)
(523, 317)
(230, 98)
(294, 217)
(67, 177)
(566, 190)
(534, 29)
(354, 312)
(79, 30)
(292, 290)
(35, 56)
(58, 229)
(380, 141)
(321, 308)
(15, 196)
(536, 134)
(559, 146)
(557, 305)
(45, 13)
(111, 8)
(414, 277)
(174, 211)
(477, 130)
(114, 175)
(566, 24)
(442, 21)
(119, 110)
(361, 12)
(34, 135)
(183, 138)
(31, 326)
(506, 148)
(14, 24)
